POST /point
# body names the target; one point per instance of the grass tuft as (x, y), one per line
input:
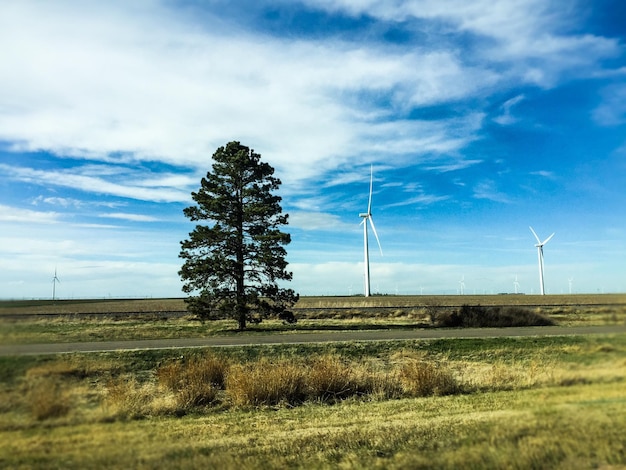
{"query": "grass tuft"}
(266, 383)
(47, 399)
(196, 381)
(422, 379)
(330, 379)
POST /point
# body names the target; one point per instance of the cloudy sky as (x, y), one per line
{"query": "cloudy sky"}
(479, 118)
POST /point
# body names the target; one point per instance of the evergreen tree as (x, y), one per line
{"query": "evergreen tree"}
(234, 260)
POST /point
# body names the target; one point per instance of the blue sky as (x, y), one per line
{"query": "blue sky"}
(479, 119)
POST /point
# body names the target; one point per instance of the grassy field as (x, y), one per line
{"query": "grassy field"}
(538, 402)
(522, 403)
(64, 321)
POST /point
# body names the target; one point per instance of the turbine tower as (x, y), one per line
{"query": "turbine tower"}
(516, 285)
(368, 216)
(539, 246)
(55, 279)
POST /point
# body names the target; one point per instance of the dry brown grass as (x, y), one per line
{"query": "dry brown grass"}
(127, 398)
(48, 398)
(329, 378)
(524, 404)
(266, 383)
(423, 379)
(196, 382)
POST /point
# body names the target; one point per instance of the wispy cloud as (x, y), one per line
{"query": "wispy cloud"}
(68, 202)
(111, 108)
(612, 110)
(130, 217)
(488, 189)
(15, 214)
(453, 166)
(527, 37)
(507, 118)
(317, 221)
(543, 173)
(422, 199)
(132, 186)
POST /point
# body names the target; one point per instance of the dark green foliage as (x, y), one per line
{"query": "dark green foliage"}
(476, 316)
(234, 261)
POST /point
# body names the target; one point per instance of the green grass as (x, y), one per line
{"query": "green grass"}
(544, 402)
(514, 402)
(69, 328)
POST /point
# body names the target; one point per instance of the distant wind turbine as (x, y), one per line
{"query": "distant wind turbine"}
(570, 280)
(516, 285)
(368, 216)
(55, 279)
(539, 246)
(462, 285)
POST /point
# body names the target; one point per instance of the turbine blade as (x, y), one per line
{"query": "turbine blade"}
(369, 203)
(376, 235)
(548, 239)
(531, 229)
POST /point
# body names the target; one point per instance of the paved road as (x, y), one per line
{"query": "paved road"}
(300, 338)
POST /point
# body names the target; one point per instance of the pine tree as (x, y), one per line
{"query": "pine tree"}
(234, 260)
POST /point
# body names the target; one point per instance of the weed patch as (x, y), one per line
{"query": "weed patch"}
(48, 398)
(265, 383)
(476, 316)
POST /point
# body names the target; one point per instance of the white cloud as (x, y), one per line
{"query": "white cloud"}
(317, 221)
(454, 166)
(543, 174)
(507, 118)
(517, 33)
(57, 201)
(14, 214)
(131, 217)
(133, 187)
(487, 189)
(136, 82)
(612, 110)
(422, 199)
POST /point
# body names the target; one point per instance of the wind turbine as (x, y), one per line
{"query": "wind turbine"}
(516, 285)
(539, 246)
(570, 280)
(55, 279)
(462, 285)
(368, 216)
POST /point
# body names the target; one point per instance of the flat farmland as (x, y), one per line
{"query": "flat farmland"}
(483, 402)
(66, 321)
(129, 306)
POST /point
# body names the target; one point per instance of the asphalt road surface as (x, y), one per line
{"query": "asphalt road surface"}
(302, 338)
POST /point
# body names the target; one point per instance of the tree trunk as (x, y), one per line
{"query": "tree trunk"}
(241, 298)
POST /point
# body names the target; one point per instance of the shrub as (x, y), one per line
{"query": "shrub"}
(330, 379)
(47, 398)
(128, 399)
(385, 385)
(209, 369)
(421, 379)
(477, 316)
(265, 383)
(195, 382)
